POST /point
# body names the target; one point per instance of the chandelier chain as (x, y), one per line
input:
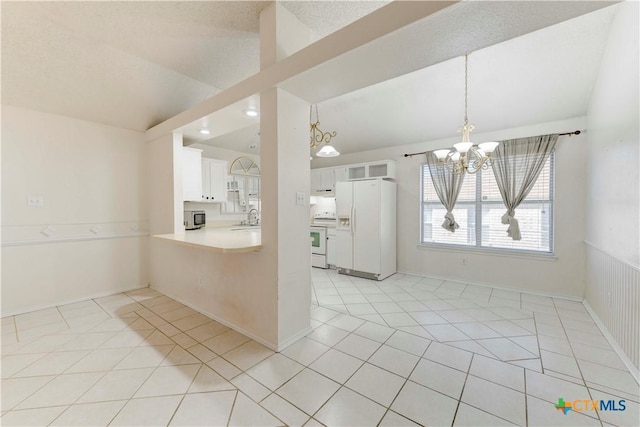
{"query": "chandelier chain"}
(466, 97)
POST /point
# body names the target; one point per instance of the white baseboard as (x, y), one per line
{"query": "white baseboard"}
(503, 288)
(286, 343)
(625, 359)
(72, 301)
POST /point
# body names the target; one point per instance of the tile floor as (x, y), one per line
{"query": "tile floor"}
(405, 351)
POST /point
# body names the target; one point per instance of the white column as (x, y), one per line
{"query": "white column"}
(284, 158)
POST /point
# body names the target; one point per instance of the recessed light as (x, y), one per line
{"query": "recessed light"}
(205, 131)
(251, 112)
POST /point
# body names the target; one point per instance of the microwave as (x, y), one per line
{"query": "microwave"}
(194, 220)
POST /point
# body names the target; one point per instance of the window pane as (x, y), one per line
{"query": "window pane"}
(433, 232)
(540, 190)
(467, 192)
(534, 220)
(480, 206)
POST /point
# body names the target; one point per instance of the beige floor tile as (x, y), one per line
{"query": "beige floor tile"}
(440, 378)
(52, 364)
(375, 383)
(14, 363)
(358, 346)
(498, 372)
(470, 416)
(374, 332)
(144, 357)
(208, 380)
(308, 390)
(205, 409)
(250, 387)
(284, 410)
(225, 342)
(248, 354)
(393, 419)
(407, 342)
(90, 414)
(116, 385)
(397, 361)
(248, 413)
(336, 365)
(168, 380)
(15, 390)
(180, 356)
(347, 408)
(154, 411)
(62, 390)
(100, 360)
(224, 368)
(32, 417)
(495, 399)
(328, 335)
(275, 371)
(417, 403)
(305, 351)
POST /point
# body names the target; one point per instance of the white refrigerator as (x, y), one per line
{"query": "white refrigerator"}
(366, 228)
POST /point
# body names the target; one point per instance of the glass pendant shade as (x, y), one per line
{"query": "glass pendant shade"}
(488, 147)
(327, 151)
(441, 154)
(463, 147)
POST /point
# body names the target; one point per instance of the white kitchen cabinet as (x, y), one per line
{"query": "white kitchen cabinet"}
(214, 181)
(331, 246)
(322, 181)
(191, 174)
(380, 169)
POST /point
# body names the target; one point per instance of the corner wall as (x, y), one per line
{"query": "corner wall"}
(89, 238)
(613, 187)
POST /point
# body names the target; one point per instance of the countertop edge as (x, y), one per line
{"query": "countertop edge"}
(218, 249)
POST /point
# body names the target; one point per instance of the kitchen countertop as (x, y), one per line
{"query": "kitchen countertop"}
(225, 240)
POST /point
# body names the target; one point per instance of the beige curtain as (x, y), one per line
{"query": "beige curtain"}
(516, 166)
(447, 185)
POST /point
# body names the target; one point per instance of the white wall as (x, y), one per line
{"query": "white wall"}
(90, 176)
(561, 276)
(613, 215)
(613, 188)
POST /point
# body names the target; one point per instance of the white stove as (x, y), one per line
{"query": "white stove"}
(327, 219)
(318, 235)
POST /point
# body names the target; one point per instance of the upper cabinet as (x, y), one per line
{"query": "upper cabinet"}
(214, 180)
(203, 180)
(381, 169)
(323, 180)
(191, 174)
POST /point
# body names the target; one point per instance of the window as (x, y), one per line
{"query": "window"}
(479, 211)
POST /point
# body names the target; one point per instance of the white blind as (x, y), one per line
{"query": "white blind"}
(479, 211)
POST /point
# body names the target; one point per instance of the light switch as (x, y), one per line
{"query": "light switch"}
(301, 198)
(35, 201)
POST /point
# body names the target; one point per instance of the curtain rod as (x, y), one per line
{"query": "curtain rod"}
(575, 132)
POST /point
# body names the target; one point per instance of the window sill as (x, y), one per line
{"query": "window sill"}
(503, 253)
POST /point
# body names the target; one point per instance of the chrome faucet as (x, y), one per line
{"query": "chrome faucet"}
(253, 217)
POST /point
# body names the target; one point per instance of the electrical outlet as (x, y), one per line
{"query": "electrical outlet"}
(35, 201)
(201, 281)
(464, 261)
(301, 198)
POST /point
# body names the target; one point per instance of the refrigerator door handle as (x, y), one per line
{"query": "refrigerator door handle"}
(353, 220)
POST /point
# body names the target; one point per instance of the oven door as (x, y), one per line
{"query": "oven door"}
(318, 240)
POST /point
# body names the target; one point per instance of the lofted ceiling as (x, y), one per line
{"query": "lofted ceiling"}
(136, 64)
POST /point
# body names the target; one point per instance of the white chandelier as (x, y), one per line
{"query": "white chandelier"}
(466, 157)
(318, 138)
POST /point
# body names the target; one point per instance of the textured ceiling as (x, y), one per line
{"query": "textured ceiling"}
(135, 64)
